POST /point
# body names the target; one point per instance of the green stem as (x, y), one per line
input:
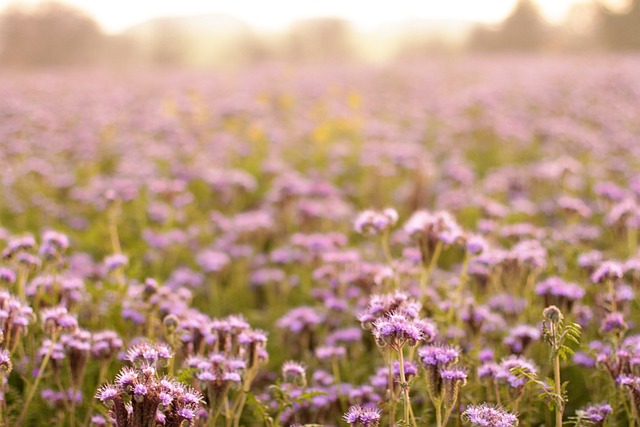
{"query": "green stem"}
(457, 299)
(426, 273)
(557, 381)
(34, 387)
(496, 390)
(413, 417)
(405, 388)
(447, 415)
(392, 400)
(612, 293)
(113, 230)
(387, 255)
(239, 404)
(21, 282)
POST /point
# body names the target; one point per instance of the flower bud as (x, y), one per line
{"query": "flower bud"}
(553, 314)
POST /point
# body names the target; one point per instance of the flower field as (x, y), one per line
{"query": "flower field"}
(452, 243)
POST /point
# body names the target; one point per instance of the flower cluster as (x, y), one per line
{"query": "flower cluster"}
(139, 398)
(489, 416)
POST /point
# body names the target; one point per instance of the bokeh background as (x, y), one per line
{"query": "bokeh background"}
(140, 33)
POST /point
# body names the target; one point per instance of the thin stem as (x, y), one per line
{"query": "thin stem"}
(457, 299)
(392, 400)
(413, 417)
(426, 272)
(438, 406)
(102, 375)
(496, 390)
(612, 293)
(556, 378)
(632, 240)
(335, 366)
(405, 388)
(34, 387)
(387, 255)
(113, 229)
(447, 415)
(239, 404)
(21, 282)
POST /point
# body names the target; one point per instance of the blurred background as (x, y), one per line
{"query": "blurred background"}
(190, 33)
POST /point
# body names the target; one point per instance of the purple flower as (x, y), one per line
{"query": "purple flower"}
(596, 414)
(374, 222)
(557, 291)
(212, 261)
(330, 352)
(452, 379)
(614, 322)
(608, 270)
(475, 244)
(367, 416)
(106, 393)
(5, 361)
(438, 355)
(505, 374)
(520, 337)
(396, 330)
(294, 372)
(58, 318)
(140, 390)
(489, 416)
(113, 262)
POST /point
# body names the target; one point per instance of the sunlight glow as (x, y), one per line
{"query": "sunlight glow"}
(116, 15)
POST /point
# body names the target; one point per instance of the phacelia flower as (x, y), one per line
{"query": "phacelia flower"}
(489, 416)
(365, 416)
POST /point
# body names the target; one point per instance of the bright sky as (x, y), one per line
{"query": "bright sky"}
(115, 15)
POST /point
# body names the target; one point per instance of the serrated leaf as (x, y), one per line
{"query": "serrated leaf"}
(308, 395)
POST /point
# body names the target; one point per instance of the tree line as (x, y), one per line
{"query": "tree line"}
(51, 34)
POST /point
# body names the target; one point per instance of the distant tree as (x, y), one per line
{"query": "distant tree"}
(319, 39)
(620, 30)
(483, 39)
(169, 44)
(523, 30)
(48, 34)
(579, 30)
(250, 48)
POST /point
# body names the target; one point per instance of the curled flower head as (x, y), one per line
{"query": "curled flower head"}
(452, 380)
(436, 359)
(553, 314)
